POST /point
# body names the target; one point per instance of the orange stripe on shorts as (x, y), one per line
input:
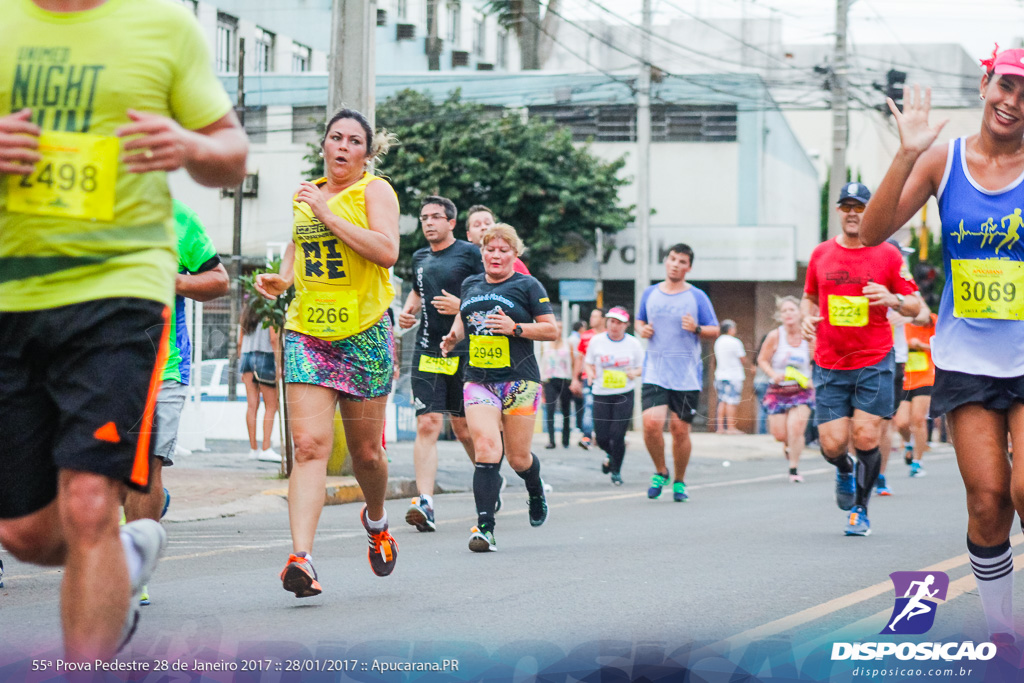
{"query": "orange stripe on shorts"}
(140, 466)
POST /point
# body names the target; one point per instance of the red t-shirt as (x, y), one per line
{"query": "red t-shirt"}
(836, 271)
(520, 267)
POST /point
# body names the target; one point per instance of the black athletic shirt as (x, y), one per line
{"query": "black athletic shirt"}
(522, 298)
(432, 272)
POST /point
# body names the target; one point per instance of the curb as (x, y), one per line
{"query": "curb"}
(346, 490)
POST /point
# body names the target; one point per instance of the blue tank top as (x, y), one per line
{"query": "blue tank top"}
(985, 225)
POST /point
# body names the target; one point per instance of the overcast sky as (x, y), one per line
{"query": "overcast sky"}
(976, 24)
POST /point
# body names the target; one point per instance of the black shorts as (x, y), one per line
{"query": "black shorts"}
(436, 391)
(682, 403)
(261, 365)
(78, 390)
(897, 390)
(911, 394)
(953, 389)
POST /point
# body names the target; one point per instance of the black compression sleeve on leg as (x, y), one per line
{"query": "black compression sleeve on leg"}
(486, 486)
(869, 464)
(843, 463)
(531, 475)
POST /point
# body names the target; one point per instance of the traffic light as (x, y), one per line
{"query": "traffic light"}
(894, 81)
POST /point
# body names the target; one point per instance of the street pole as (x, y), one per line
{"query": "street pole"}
(352, 67)
(840, 116)
(643, 176)
(236, 246)
(351, 85)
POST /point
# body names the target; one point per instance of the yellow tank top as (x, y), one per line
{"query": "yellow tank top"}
(338, 293)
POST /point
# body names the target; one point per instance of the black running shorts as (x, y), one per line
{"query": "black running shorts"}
(682, 403)
(437, 384)
(953, 389)
(78, 388)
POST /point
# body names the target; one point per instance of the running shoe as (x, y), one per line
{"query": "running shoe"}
(606, 466)
(1006, 647)
(616, 478)
(657, 482)
(481, 540)
(846, 490)
(916, 470)
(167, 502)
(421, 515)
(908, 454)
(857, 523)
(538, 509)
(881, 488)
(269, 455)
(144, 596)
(679, 492)
(795, 478)
(551, 445)
(299, 577)
(383, 550)
(150, 540)
(1, 573)
(504, 483)
(585, 443)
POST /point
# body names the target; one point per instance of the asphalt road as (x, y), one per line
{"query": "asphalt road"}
(751, 564)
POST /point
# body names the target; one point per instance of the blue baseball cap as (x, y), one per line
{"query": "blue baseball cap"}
(856, 191)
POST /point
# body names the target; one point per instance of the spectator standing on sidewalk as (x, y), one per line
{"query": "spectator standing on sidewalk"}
(257, 351)
(556, 372)
(582, 386)
(730, 374)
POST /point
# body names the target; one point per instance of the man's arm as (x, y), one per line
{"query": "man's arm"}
(203, 286)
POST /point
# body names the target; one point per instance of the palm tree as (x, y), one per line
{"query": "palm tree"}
(536, 36)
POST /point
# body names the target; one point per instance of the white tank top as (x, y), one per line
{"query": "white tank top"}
(798, 357)
(259, 341)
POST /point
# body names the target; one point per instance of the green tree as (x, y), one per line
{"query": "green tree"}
(528, 172)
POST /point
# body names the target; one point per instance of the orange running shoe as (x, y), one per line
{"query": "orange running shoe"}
(383, 547)
(299, 577)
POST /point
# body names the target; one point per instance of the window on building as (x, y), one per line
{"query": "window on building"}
(454, 23)
(669, 122)
(401, 9)
(302, 58)
(479, 37)
(192, 5)
(263, 61)
(501, 56)
(227, 42)
(305, 122)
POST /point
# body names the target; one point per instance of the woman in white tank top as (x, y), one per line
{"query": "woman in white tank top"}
(786, 358)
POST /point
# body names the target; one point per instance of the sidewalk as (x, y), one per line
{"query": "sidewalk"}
(222, 481)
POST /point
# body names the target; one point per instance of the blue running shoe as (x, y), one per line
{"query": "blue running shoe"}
(846, 490)
(167, 502)
(881, 488)
(658, 481)
(482, 540)
(616, 478)
(916, 470)
(857, 523)
(679, 492)
(421, 515)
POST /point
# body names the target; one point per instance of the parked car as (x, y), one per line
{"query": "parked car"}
(214, 381)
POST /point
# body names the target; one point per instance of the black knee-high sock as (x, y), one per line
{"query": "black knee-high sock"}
(531, 475)
(869, 464)
(844, 463)
(486, 486)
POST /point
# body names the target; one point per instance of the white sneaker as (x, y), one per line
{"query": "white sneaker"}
(254, 454)
(269, 455)
(150, 540)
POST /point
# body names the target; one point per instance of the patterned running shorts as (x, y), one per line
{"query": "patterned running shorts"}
(359, 367)
(519, 397)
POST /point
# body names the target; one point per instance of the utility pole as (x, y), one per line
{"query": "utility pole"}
(599, 285)
(840, 115)
(433, 41)
(643, 177)
(352, 65)
(643, 157)
(236, 245)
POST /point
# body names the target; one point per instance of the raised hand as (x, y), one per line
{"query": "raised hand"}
(271, 285)
(916, 135)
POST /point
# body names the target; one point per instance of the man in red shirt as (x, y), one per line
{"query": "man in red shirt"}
(581, 385)
(848, 291)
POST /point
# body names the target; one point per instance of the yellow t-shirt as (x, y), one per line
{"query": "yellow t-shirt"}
(79, 72)
(338, 293)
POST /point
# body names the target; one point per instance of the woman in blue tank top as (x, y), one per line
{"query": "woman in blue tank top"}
(978, 348)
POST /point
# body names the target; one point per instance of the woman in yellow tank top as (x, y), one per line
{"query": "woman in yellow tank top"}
(338, 340)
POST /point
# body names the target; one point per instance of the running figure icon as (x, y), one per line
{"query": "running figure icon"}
(916, 605)
(1011, 237)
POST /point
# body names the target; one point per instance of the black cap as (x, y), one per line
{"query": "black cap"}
(856, 191)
